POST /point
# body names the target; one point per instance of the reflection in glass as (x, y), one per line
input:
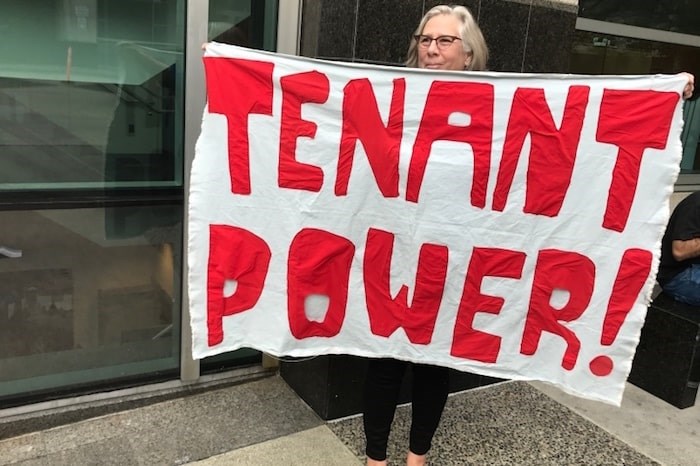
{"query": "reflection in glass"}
(81, 302)
(248, 23)
(667, 15)
(89, 98)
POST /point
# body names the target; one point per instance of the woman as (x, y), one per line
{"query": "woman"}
(447, 38)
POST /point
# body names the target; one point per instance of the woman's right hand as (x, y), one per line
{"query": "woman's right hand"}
(689, 87)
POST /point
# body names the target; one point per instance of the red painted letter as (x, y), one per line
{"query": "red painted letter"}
(633, 273)
(444, 99)
(296, 90)
(361, 120)
(319, 264)
(561, 270)
(234, 254)
(552, 150)
(468, 342)
(387, 314)
(236, 88)
(633, 121)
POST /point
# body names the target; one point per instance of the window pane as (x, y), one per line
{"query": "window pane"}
(667, 15)
(248, 23)
(691, 137)
(595, 53)
(90, 98)
(88, 295)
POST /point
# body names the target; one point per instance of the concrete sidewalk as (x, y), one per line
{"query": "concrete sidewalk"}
(264, 423)
(317, 446)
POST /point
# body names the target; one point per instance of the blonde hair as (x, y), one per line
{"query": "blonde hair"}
(472, 39)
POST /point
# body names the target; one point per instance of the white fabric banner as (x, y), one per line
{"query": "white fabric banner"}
(503, 224)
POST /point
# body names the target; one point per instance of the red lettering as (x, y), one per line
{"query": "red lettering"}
(552, 150)
(298, 89)
(633, 121)
(631, 276)
(387, 314)
(319, 264)
(444, 99)
(237, 88)
(558, 270)
(234, 254)
(382, 144)
(468, 342)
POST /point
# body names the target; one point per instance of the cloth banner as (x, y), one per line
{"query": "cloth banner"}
(503, 224)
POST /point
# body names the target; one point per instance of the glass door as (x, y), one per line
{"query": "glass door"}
(91, 194)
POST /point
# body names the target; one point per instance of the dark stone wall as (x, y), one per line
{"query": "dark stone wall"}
(522, 35)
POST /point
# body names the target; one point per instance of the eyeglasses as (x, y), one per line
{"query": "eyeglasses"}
(443, 42)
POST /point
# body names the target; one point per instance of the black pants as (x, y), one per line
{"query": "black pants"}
(430, 388)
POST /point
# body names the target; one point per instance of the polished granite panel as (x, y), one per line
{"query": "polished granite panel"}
(310, 28)
(667, 361)
(472, 5)
(549, 40)
(567, 5)
(507, 424)
(504, 25)
(328, 28)
(384, 29)
(333, 385)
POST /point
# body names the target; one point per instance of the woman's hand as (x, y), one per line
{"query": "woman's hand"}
(689, 87)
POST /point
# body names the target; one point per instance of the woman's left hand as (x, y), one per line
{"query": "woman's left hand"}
(689, 87)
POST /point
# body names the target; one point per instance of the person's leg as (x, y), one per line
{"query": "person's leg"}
(685, 287)
(382, 386)
(430, 389)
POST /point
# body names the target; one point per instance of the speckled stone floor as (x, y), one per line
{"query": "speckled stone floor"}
(511, 423)
(264, 423)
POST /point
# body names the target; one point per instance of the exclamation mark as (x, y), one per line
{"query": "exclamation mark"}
(633, 273)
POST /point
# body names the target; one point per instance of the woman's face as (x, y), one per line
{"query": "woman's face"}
(452, 57)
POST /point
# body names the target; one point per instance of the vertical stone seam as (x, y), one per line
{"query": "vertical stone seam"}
(527, 33)
(354, 32)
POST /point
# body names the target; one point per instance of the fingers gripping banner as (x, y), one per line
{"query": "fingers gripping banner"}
(502, 224)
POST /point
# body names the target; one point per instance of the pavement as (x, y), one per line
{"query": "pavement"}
(263, 422)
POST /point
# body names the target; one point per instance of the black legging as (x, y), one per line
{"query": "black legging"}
(382, 386)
